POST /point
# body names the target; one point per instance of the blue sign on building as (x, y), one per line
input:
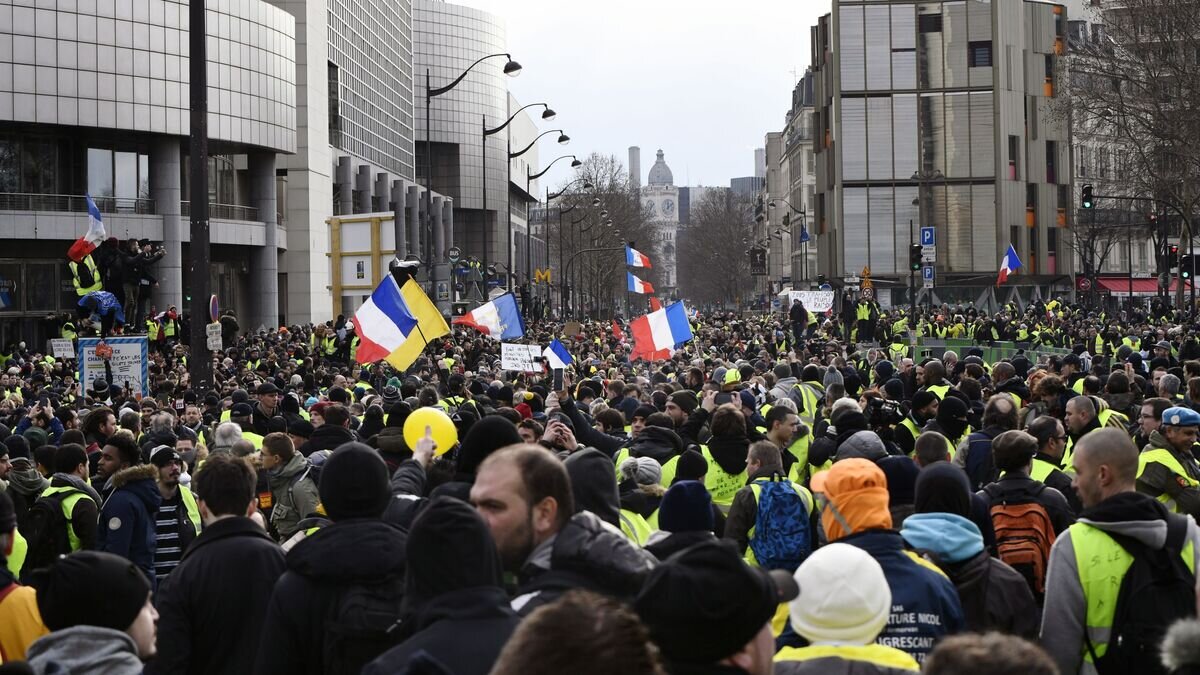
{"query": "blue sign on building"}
(927, 238)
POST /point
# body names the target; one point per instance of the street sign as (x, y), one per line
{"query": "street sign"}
(928, 255)
(825, 287)
(1084, 284)
(928, 283)
(927, 275)
(927, 238)
(212, 334)
(453, 254)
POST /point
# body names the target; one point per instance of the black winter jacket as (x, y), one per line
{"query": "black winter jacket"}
(326, 437)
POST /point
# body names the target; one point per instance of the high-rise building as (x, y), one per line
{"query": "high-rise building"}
(635, 167)
(760, 163)
(746, 186)
(941, 114)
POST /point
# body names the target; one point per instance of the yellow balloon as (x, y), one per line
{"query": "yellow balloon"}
(444, 432)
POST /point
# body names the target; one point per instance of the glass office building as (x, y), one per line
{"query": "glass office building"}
(940, 114)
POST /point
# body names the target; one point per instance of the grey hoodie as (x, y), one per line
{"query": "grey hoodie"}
(1065, 614)
(85, 650)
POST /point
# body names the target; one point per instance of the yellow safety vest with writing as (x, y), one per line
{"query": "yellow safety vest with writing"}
(722, 486)
(68, 506)
(1102, 564)
(875, 654)
(80, 289)
(189, 504)
(756, 487)
(1164, 457)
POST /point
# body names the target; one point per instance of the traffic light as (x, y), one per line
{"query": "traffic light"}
(1172, 256)
(914, 257)
(1087, 202)
(1185, 266)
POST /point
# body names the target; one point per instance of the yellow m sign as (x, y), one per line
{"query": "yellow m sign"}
(541, 276)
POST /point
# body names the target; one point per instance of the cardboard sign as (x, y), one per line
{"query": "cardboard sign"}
(62, 349)
(127, 359)
(524, 358)
(573, 328)
(814, 301)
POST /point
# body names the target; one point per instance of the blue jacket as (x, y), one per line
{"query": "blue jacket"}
(925, 604)
(126, 526)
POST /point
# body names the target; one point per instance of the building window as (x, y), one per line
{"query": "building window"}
(1077, 32)
(1051, 162)
(1014, 154)
(979, 54)
(930, 23)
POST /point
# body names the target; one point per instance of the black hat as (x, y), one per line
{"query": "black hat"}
(686, 400)
(691, 466)
(16, 447)
(99, 388)
(90, 588)
(266, 388)
(391, 395)
(354, 483)
(241, 410)
(163, 455)
(705, 603)
(239, 396)
(301, 428)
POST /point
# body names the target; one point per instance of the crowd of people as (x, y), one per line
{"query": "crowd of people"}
(789, 492)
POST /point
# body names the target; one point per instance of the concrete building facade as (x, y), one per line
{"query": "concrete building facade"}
(940, 114)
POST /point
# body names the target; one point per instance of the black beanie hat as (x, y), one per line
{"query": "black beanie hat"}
(483, 438)
(691, 466)
(686, 400)
(18, 447)
(90, 588)
(354, 483)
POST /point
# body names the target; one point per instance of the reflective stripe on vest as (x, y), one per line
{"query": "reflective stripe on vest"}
(635, 527)
(877, 654)
(722, 486)
(189, 503)
(756, 488)
(68, 506)
(1164, 457)
(1102, 564)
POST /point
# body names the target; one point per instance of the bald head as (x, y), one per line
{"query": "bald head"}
(1082, 405)
(1106, 464)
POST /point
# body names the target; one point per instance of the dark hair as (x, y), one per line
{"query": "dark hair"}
(659, 420)
(226, 484)
(988, 654)
(72, 436)
(68, 457)
(778, 413)
(581, 633)
(542, 475)
(931, 447)
(1158, 405)
(280, 445)
(1043, 428)
(94, 420)
(127, 448)
(534, 426)
(1118, 382)
(611, 418)
(45, 455)
(337, 415)
(728, 421)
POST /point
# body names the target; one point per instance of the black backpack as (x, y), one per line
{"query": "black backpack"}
(46, 531)
(1157, 590)
(363, 623)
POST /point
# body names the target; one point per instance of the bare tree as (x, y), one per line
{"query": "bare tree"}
(713, 263)
(1135, 86)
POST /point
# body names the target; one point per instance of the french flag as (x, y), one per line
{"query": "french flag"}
(499, 319)
(635, 258)
(657, 334)
(1009, 264)
(84, 245)
(636, 285)
(557, 356)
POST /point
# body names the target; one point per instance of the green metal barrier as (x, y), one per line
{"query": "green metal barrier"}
(935, 348)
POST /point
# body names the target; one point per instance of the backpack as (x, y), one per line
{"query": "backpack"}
(981, 467)
(782, 534)
(46, 531)
(1157, 589)
(1024, 536)
(363, 623)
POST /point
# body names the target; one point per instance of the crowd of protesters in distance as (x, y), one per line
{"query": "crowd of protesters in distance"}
(789, 492)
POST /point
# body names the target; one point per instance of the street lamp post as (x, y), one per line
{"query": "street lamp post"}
(587, 185)
(512, 69)
(563, 139)
(547, 115)
(803, 231)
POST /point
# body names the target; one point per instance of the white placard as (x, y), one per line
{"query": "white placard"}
(814, 301)
(61, 348)
(128, 362)
(524, 358)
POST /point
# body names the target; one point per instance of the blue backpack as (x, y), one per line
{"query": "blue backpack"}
(782, 532)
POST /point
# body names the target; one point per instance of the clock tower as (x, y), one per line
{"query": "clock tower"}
(660, 199)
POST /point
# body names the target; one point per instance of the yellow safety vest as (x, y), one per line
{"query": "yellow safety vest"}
(668, 469)
(1041, 470)
(722, 486)
(1164, 457)
(938, 390)
(169, 328)
(68, 506)
(800, 471)
(635, 527)
(68, 331)
(756, 488)
(189, 504)
(877, 654)
(80, 289)
(812, 402)
(20, 548)
(254, 439)
(152, 330)
(1102, 563)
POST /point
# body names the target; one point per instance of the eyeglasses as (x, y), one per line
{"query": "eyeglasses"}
(1058, 438)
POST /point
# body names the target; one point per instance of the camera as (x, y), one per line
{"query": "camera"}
(884, 413)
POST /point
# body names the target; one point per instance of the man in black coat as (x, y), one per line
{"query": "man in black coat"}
(332, 434)
(337, 606)
(454, 588)
(212, 607)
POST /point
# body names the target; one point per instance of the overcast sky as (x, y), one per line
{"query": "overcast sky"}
(702, 80)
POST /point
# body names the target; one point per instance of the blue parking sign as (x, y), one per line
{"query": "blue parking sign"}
(927, 238)
(927, 273)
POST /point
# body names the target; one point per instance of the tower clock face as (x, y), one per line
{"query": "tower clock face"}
(650, 207)
(668, 206)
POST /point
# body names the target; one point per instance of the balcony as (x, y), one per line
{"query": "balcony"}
(27, 201)
(225, 212)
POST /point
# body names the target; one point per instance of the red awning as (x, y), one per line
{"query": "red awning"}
(1120, 285)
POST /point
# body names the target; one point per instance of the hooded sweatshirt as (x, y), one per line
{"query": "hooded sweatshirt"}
(293, 495)
(1130, 514)
(485, 437)
(454, 588)
(595, 485)
(925, 605)
(657, 443)
(994, 596)
(85, 650)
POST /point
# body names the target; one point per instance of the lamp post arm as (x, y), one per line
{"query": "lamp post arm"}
(430, 93)
(493, 132)
(543, 171)
(514, 155)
